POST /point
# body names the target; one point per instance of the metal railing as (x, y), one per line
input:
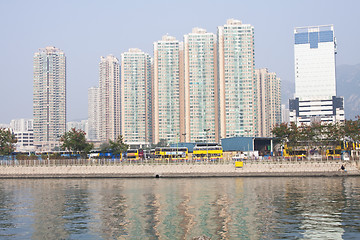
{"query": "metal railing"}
(153, 161)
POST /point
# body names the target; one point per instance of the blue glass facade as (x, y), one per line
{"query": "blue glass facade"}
(314, 38)
(301, 38)
(326, 36)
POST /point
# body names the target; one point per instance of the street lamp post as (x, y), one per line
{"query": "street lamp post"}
(183, 145)
(247, 134)
(207, 144)
(177, 146)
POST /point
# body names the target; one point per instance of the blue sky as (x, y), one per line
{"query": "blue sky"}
(86, 30)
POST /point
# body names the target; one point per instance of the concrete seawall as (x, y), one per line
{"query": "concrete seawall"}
(181, 170)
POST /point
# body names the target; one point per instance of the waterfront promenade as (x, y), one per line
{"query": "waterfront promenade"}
(109, 169)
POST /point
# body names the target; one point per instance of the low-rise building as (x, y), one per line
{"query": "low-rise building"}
(23, 131)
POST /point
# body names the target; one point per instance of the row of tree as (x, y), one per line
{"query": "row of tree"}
(315, 134)
(75, 141)
(72, 141)
(318, 134)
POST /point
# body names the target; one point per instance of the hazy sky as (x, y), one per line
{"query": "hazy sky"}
(86, 30)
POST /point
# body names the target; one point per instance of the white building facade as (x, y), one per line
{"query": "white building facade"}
(285, 117)
(23, 131)
(93, 113)
(315, 79)
(79, 125)
(49, 97)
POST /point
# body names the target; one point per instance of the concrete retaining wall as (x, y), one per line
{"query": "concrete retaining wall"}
(195, 170)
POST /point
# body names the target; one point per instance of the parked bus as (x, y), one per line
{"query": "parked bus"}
(340, 151)
(207, 153)
(298, 154)
(134, 154)
(333, 154)
(97, 154)
(294, 153)
(179, 154)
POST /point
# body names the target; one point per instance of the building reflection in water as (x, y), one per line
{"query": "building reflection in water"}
(108, 202)
(220, 208)
(151, 211)
(7, 209)
(48, 208)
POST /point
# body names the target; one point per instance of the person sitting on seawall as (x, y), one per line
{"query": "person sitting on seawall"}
(343, 168)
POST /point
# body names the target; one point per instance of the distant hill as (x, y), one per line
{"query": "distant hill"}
(348, 86)
(287, 91)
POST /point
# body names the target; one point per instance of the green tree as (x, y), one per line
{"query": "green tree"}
(105, 147)
(294, 134)
(335, 133)
(118, 146)
(281, 131)
(7, 141)
(352, 130)
(75, 141)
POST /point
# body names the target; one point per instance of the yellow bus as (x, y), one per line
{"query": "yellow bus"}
(179, 154)
(338, 151)
(333, 153)
(207, 153)
(292, 153)
(134, 154)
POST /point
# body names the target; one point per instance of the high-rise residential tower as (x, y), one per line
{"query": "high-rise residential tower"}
(201, 97)
(136, 98)
(236, 69)
(168, 117)
(109, 90)
(315, 80)
(268, 102)
(49, 98)
(94, 113)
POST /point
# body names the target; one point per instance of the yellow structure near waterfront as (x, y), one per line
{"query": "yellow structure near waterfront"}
(239, 164)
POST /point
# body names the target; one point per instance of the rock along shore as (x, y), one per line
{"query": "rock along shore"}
(253, 169)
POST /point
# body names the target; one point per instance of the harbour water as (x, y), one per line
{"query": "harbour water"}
(181, 208)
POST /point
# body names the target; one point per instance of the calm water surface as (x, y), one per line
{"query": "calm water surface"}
(220, 208)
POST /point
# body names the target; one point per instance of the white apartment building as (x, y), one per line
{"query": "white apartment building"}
(236, 69)
(93, 113)
(168, 105)
(23, 131)
(268, 102)
(201, 84)
(49, 97)
(315, 79)
(136, 98)
(22, 125)
(109, 98)
(79, 125)
(285, 114)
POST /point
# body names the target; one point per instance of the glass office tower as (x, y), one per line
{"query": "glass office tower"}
(315, 79)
